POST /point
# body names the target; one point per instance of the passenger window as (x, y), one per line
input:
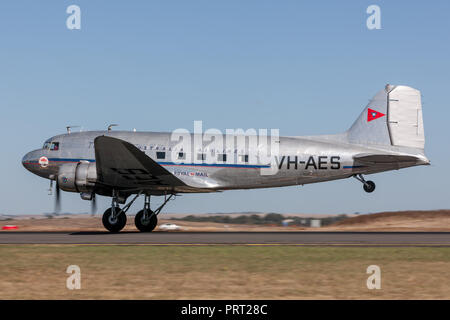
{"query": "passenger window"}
(181, 156)
(244, 158)
(222, 157)
(201, 156)
(160, 155)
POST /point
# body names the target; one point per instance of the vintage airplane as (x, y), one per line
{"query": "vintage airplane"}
(388, 135)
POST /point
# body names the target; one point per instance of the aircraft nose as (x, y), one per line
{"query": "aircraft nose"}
(26, 160)
(29, 159)
(37, 162)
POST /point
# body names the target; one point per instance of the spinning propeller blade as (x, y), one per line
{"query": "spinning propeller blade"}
(57, 199)
(93, 205)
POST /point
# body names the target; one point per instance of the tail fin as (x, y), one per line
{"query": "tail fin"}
(393, 117)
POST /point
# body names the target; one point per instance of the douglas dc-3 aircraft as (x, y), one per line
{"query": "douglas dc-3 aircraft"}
(388, 135)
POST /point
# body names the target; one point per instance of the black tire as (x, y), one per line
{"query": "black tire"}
(145, 226)
(369, 186)
(116, 226)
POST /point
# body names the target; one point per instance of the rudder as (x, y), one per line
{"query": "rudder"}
(392, 117)
(405, 119)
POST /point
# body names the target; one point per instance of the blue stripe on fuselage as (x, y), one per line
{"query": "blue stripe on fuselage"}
(217, 165)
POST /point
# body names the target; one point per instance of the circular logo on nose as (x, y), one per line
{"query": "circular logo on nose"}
(43, 162)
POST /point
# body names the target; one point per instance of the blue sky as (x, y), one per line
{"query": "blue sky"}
(305, 67)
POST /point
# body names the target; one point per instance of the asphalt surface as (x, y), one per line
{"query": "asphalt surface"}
(232, 238)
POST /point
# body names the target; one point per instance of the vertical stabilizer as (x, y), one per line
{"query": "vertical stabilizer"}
(392, 117)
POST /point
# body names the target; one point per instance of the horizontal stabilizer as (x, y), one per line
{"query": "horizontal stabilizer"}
(389, 159)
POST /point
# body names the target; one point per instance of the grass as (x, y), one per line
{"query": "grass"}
(222, 272)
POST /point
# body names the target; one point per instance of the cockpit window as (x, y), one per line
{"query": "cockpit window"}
(54, 146)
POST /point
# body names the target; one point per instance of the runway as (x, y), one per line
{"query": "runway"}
(232, 238)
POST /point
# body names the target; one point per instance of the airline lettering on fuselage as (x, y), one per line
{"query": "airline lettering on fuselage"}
(313, 162)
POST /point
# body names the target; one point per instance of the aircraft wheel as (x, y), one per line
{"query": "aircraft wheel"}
(111, 224)
(369, 186)
(145, 225)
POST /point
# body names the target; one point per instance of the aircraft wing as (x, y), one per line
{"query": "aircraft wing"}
(120, 164)
(388, 159)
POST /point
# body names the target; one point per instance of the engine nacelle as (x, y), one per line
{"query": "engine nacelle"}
(77, 177)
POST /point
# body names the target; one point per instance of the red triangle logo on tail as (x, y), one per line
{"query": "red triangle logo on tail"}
(373, 114)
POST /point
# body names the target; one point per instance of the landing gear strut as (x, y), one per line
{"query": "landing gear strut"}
(368, 186)
(114, 219)
(146, 219)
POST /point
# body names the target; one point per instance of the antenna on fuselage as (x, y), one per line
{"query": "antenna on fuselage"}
(70, 127)
(112, 125)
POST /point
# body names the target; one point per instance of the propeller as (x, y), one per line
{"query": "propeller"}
(57, 198)
(93, 205)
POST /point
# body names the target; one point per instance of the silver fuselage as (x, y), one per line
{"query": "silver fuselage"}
(300, 160)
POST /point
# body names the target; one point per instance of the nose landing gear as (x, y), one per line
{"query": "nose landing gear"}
(368, 186)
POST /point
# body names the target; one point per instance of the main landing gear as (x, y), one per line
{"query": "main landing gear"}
(114, 219)
(368, 186)
(146, 220)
